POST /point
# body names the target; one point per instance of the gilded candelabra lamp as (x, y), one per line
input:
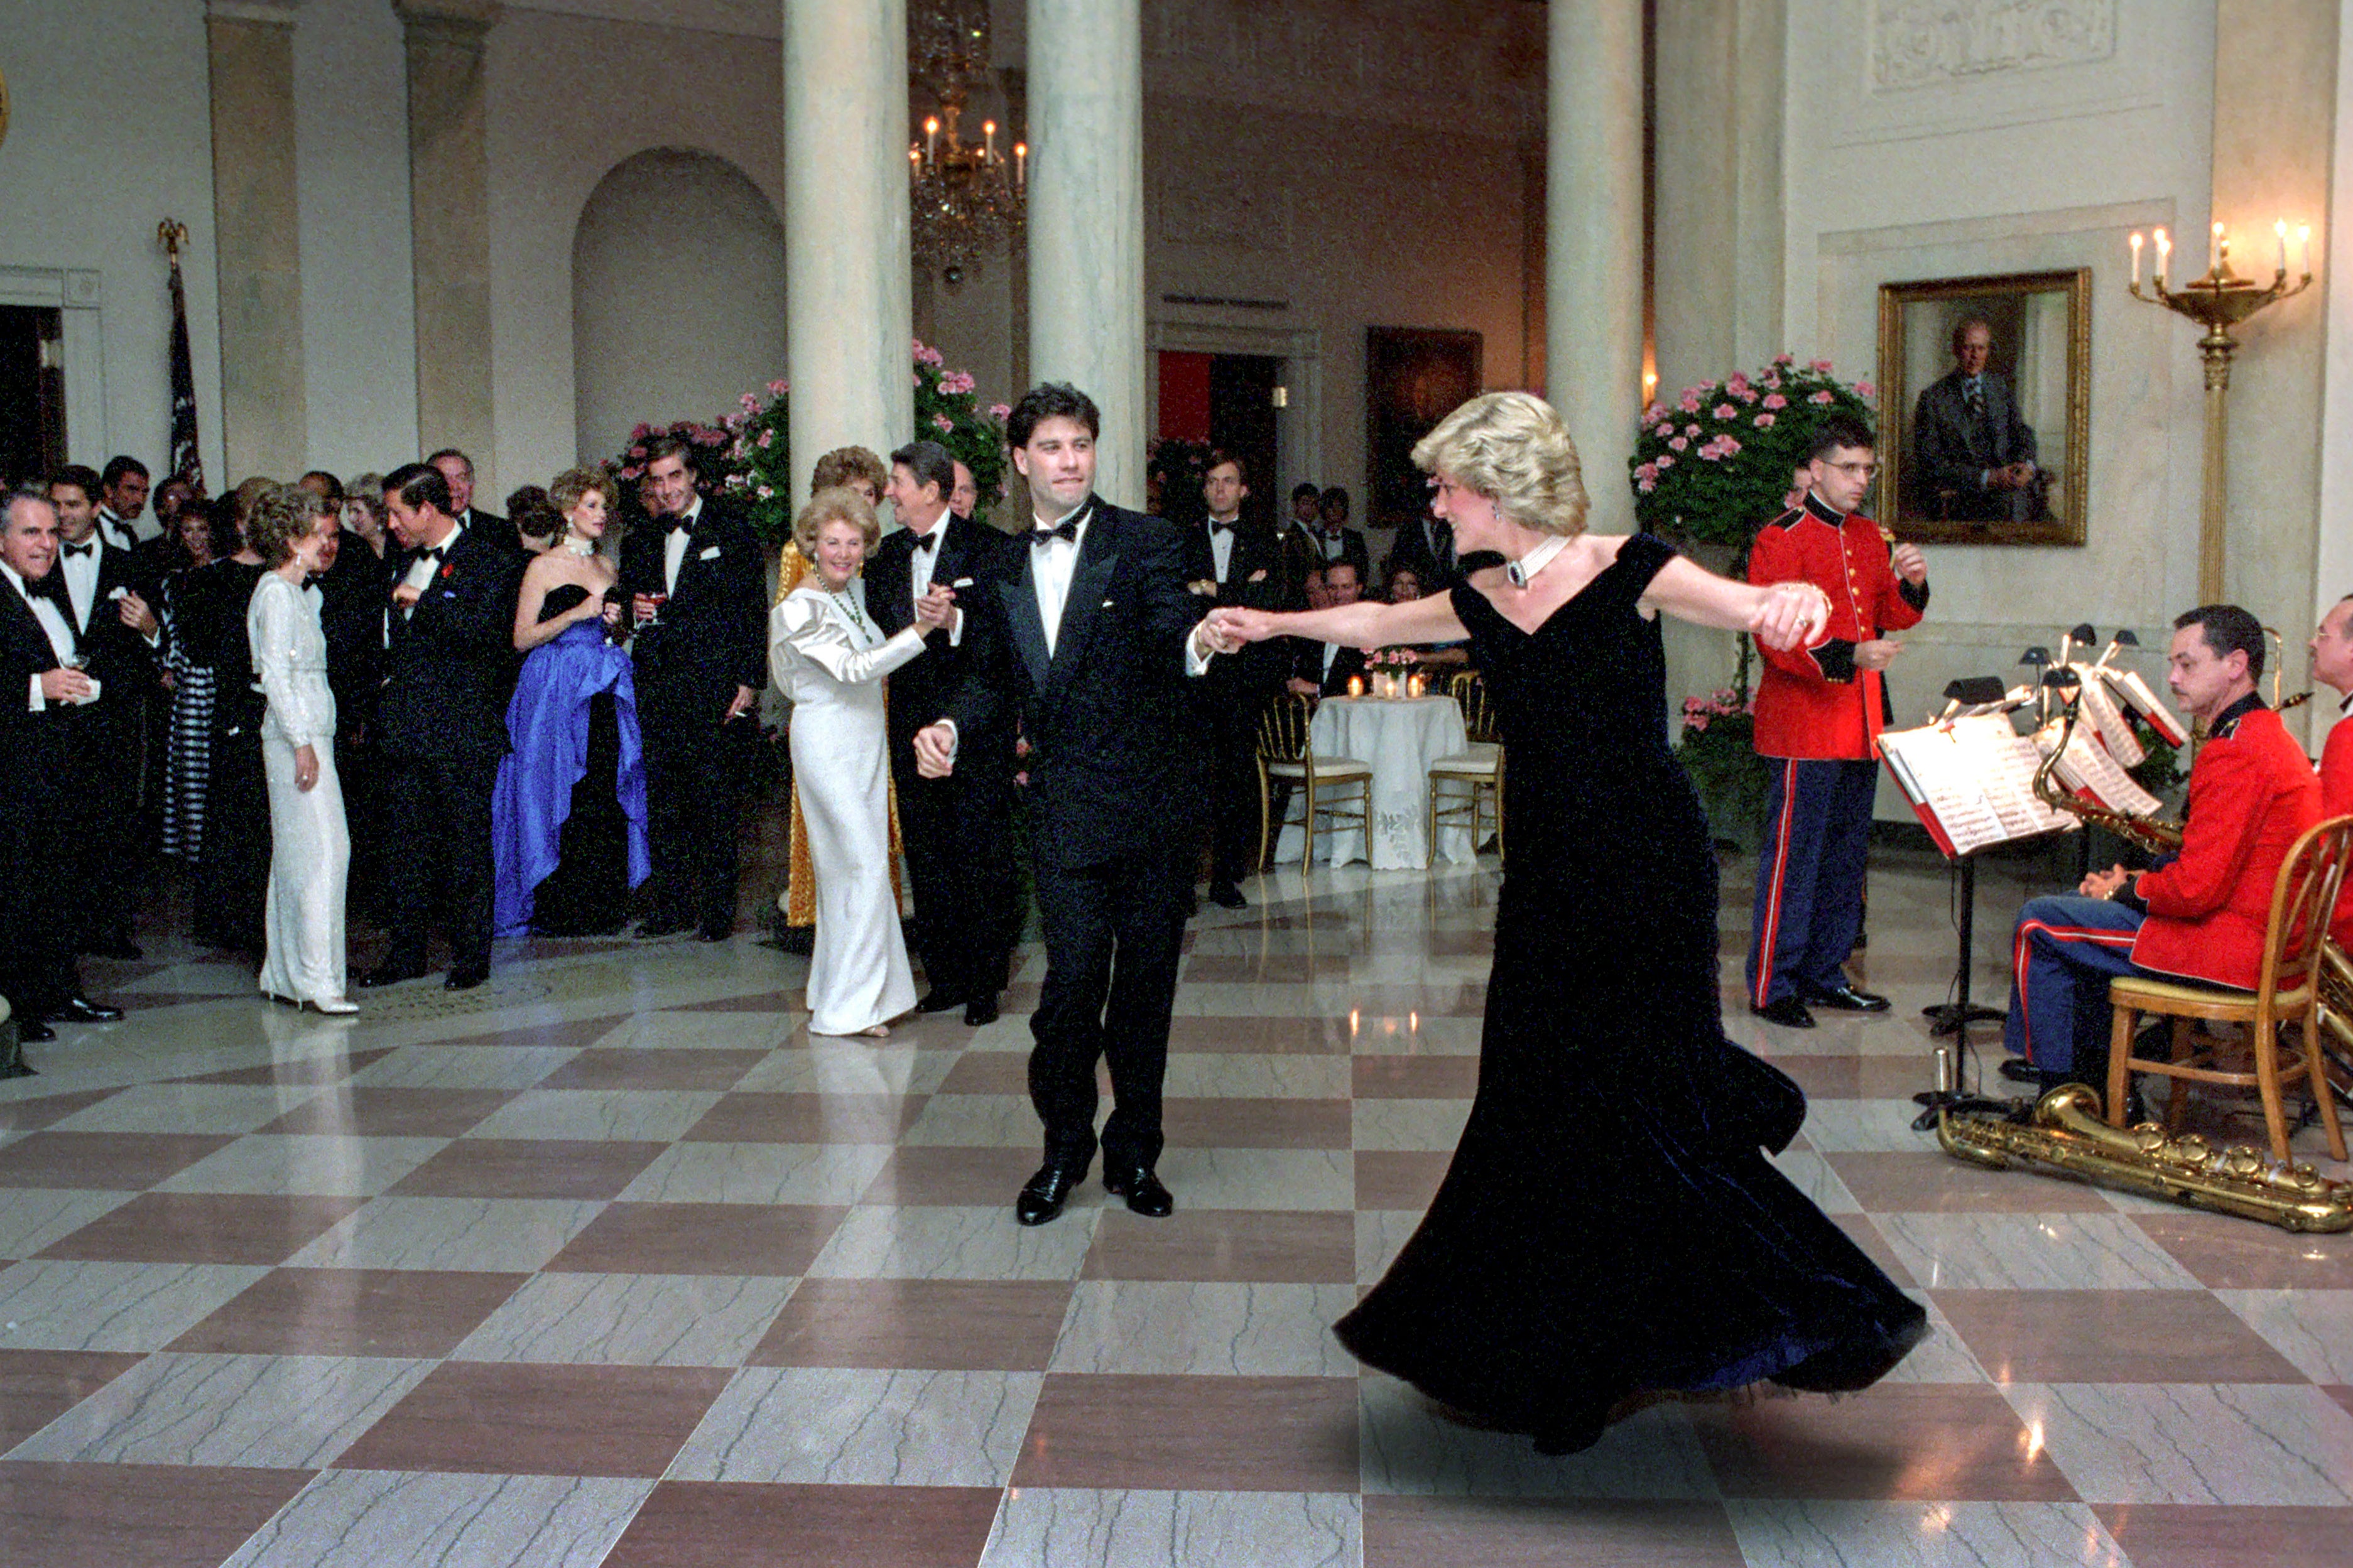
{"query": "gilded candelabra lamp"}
(2219, 301)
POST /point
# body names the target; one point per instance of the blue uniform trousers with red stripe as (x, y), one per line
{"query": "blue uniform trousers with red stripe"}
(1809, 877)
(2066, 949)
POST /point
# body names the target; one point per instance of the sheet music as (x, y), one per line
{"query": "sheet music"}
(2100, 709)
(2129, 686)
(1976, 777)
(2087, 765)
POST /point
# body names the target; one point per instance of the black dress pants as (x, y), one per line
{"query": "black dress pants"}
(1114, 935)
(694, 790)
(440, 844)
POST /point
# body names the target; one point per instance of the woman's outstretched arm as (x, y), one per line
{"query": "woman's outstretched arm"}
(1779, 614)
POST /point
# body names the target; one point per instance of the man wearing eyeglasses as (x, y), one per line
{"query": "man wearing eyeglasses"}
(1819, 713)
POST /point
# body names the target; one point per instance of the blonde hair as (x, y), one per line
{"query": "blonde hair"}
(838, 504)
(1510, 448)
(281, 515)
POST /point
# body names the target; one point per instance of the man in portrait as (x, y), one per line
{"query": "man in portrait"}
(1973, 457)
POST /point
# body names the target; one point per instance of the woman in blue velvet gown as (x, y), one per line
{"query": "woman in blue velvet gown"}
(568, 819)
(1610, 1226)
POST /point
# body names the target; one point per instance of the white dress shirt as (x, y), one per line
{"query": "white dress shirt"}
(53, 626)
(675, 542)
(1221, 545)
(78, 566)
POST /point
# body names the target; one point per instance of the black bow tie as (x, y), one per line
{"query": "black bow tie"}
(1067, 530)
(79, 551)
(924, 542)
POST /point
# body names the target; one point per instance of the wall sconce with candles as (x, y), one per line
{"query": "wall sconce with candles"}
(2219, 301)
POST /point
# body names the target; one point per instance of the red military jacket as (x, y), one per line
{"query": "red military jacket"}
(1813, 701)
(2251, 796)
(2336, 800)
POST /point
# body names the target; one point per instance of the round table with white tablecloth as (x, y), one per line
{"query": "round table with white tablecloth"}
(1400, 737)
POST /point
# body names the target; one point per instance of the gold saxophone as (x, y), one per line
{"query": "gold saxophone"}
(2068, 1136)
(2155, 834)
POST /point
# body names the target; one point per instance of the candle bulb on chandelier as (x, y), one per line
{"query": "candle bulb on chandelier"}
(2136, 250)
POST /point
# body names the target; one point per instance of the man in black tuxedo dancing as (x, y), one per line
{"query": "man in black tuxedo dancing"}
(1089, 641)
(695, 588)
(956, 828)
(441, 724)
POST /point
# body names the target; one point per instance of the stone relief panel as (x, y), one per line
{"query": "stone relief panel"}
(1924, 43)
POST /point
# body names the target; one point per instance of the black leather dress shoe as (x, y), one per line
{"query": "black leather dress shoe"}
(980, 1010)
(33, 1032)
(1226, 896)
(81, 1010)
(940, 1001)
(1143, 1191)
(465, 979)
(1848, 999)
(1043, 1197)
(391, 974)
(661, 925)
(1788, 1011)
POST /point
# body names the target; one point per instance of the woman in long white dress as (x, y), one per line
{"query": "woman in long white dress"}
(310, 844)
(826, 656)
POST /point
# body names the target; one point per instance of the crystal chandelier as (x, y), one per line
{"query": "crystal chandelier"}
(968, 198)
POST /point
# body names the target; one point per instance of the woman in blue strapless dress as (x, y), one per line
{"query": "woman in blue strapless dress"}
(1610, 1227)
(568, 819)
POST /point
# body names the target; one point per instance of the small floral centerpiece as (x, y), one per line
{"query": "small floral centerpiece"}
(1718, 750)
(1721, 460)
(948, 410)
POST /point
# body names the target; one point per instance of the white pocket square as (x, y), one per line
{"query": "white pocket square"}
(709, 554)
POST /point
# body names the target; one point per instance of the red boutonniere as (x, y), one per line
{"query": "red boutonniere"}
(448, 571)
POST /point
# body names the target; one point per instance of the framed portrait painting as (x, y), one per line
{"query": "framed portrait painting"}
(1985, 407)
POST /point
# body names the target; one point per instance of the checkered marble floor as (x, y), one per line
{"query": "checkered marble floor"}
(609, 1262)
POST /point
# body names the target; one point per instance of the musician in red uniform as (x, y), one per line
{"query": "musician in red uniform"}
(1819, 713)
(2332, 665)
(2199, 914)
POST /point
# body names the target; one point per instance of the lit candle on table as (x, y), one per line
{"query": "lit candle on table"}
(2136, 250)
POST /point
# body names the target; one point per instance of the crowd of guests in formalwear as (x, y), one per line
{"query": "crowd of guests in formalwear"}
(375, 696)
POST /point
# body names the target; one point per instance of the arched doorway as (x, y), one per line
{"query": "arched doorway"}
(678, 295)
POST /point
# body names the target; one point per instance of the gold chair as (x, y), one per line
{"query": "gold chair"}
(1468, 786)
(1286, 753)
(2286, 995)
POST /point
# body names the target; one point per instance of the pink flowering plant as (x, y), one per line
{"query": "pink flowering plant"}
(947, 410)
(1717, 462)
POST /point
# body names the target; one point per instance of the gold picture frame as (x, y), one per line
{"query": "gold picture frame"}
(2010, 466)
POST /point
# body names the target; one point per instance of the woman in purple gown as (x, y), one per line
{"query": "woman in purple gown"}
(568, 820)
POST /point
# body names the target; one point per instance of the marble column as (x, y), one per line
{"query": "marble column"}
(264, 392)
(849, 311)
(1593, 252)
(449, 218)
(1086, 220)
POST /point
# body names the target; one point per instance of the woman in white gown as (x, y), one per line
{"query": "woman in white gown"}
(309, 844)
(826, 655)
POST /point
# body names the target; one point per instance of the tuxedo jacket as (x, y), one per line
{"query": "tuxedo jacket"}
(33, 744)
(1254, 580)
(1952, 448)
(1413, 550)
(1106, 715)
(450, 663)
(923, 689)
(713, 632)
(1308, 665)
